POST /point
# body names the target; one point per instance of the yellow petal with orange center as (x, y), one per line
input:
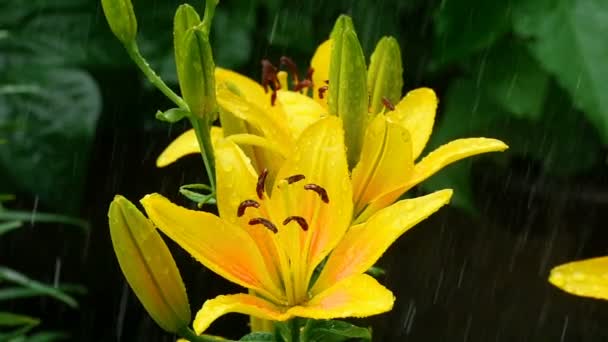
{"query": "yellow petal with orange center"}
(221, 246)
(185, 144)
(364, 244)
(301, 111)
(386, 159)
(432, 163)
(416, 112)
(585, 278)
(320, 62)
(358, 296)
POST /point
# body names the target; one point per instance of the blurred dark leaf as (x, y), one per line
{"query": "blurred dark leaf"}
(568, 38)
(464, 27)
(258, 337)
(49, 129)
(334, 331)
(233, 34)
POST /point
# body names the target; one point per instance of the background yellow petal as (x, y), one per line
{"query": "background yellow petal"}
(221, 246)
(238, 303)
(416, 112)
(451, 152)
(183, 145)
(357, 296)
(586, 278)
(236, 182)
(148, 265)
(386, 160)
(301, 111)
(364, 244)
(320, 62)
(320, 156)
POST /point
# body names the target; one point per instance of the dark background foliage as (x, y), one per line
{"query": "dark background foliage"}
(77, 126)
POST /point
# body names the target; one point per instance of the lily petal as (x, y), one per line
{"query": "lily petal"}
(183, 145)
(386, 159)
(358, 296)
(364, 244)
(321, 157)
(301, 111)
(416, 112)
(320, 62)
(224, 248)
(247, 88)
(429, 165)
(586, 278)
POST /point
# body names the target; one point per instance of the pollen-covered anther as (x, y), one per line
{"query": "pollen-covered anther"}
(266, 223)
(299, 219)
(259, 188)
(270, 79)
(293, 69)
(306, 82)
(246, 204)
(322, 91)
(387, 103)
(294, 178)
(319, 190)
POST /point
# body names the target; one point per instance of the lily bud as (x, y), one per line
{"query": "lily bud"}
(348, 95)
(148, 266)
(384, 77)
(195, 66)
(121, 18)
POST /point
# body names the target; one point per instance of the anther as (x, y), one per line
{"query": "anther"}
(387, 103)
(322, 91)
(306, 82)
(299, 219)
(259, 188)
(266, 223)
(319, 190)
(246, 204)
(294, 178)
(270, 79)
(292, 67)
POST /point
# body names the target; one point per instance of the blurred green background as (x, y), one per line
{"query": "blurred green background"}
(77, 126)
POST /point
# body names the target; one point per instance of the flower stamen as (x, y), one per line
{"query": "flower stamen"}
(294, 178)
(259, 188)
(319, 190)
(299, 219)
(387, 103)
(246, 204)
(293, 69)
(270, 79)
(266, 223)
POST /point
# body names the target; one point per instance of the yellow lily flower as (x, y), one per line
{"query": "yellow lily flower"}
(585, 278)
(271, 237)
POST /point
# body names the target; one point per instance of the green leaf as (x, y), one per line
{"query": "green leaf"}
(197, 197)
(258, 337)
(33, 216)
(9, 319)
(49, 132)
(15, 277)
(172, 115)
(10, 293)
(47, 336)
(334, 331)
(464, 27)
(6, 227)
(568, 39)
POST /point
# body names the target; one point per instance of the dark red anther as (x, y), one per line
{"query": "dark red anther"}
(266, 223)
(294, 178)
(299, 219)
(387, 103)
(319, 190)
(270, 79)
(259, 188)
(293, 69)
(246, 204)
(322, 91)
(306, 82)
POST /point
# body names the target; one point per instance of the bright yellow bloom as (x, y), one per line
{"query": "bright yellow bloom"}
(585, 278)
(393, 141)
(271, 236)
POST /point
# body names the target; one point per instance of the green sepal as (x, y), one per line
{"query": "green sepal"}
(172, 115)
(197, 197)
(348, 97)
(385, 74)
(333, 331)
(376, 272)
(258, 337)
(185, 18)
(121, 18)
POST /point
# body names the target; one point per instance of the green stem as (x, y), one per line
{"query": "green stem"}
(191, 336)
(203, 135)
(209, 13)
(143, 65)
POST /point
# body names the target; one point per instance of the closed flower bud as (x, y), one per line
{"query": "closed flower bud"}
(384, 77)
(148, 266)
(121, 18)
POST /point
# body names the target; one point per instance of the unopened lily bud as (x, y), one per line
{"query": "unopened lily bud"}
(121, 18)
(384, 77)
(148, 266)
(348, 96)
